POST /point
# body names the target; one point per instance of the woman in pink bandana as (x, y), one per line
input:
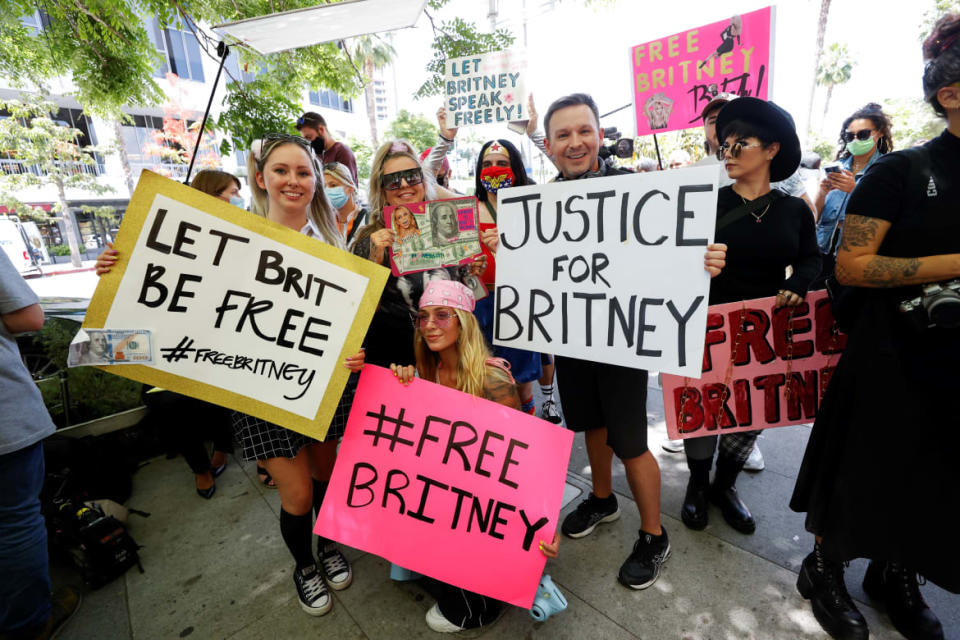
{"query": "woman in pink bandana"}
(451, 350)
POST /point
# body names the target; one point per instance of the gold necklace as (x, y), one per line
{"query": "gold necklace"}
(756, 217)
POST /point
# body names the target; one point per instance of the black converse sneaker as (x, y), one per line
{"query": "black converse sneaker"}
(314, 597)
(642, 567)
(589, 514)
(336, 568)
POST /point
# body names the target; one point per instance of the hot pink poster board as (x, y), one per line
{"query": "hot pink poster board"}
(783, 362)
(474, 486)
(676, 76)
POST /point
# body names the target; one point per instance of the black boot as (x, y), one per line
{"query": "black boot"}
(724, 495)
(694, 509)
(821, 582)
(897, 588)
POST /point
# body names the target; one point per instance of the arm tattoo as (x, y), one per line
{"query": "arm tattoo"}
(858, 231)
(501, 392)
(890, 272)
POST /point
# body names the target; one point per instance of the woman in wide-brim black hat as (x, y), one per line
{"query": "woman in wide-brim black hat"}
(766, 232)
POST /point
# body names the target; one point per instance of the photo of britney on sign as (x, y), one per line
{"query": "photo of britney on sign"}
(430, 235)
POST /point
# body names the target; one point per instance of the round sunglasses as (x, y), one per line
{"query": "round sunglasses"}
(735, 149)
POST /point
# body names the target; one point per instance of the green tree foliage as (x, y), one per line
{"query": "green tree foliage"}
(363, 153)
(689, 140)
(106, 49)
(372, 53)
(414, 128)
(49, 154)
(835, 68)
(913, 121)
(453, 39)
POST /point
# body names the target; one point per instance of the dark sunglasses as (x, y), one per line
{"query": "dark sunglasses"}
(863, 134)
(735, 149)
(391, 181)
(286, 137)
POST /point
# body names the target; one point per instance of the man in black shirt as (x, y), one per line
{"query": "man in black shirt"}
(607, 402)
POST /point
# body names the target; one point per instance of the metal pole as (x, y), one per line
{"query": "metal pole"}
(223, 51)
(657, 147)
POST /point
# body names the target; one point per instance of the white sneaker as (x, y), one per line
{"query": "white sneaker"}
(336, 568)
(440, 624)
(755, 461)
(673, 446)
(312, 591)
(548, 411)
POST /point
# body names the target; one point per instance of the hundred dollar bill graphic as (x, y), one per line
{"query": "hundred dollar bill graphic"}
(110, 346)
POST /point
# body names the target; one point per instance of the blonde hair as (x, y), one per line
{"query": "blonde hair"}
(320, 212)
(341, 172)
(212, 181)
(378, 199)
(472, 355)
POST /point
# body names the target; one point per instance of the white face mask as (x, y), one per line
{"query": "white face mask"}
(237, 201)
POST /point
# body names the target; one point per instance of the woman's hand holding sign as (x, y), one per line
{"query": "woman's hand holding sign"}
(491, 238)
(553, 549)
(447, 133)
(106, 259)
(404, 373)
(355, 362)
(715, 259)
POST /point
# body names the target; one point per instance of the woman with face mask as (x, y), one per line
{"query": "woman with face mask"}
(864, 137)
(342, 193)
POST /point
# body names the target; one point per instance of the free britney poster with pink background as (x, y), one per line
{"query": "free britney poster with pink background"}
(676, 76)
(449, 485)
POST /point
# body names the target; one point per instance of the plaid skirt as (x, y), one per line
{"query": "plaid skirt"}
(260, 440)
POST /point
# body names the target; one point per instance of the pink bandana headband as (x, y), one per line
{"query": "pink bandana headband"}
(447, 293)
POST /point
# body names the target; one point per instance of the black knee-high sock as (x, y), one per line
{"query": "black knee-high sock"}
(319, 491)
(699, 472)
(296, 532)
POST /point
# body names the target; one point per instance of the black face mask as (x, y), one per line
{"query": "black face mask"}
(317, 145)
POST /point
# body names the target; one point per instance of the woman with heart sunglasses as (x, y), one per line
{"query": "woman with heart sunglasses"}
(397, 178)
(864, 137)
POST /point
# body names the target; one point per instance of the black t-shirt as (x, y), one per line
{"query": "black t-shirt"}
(925, 218)
(923, 209)
(758, 253)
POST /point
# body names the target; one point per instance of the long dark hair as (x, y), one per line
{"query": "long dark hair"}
(516, 165)
(881, 122)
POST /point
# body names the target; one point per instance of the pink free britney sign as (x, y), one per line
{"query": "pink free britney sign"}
(676, 76)
(449, 485)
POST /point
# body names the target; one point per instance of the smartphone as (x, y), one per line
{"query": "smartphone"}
(832, 169)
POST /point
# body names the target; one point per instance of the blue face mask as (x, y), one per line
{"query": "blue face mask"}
(337, 195)
(237, 201)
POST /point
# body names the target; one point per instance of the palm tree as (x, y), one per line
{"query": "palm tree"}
(821, 30)
(373, 52)
(835, 68)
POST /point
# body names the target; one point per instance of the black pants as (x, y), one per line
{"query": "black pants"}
(189, 423)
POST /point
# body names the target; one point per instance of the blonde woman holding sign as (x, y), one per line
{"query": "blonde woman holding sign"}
(451, 350)
(396, 178)
(287, 189)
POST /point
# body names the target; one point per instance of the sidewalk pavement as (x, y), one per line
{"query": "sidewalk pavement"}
(219, 569)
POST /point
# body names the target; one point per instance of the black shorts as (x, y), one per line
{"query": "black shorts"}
(595, 395)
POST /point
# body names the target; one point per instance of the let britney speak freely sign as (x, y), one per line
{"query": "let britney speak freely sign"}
(452, 486)
(608, 269)
(486, 89)
(781, 362)
(676, 76)
(242, 312)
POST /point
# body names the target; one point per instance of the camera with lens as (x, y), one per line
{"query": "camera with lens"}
(938, 305)
(549, 600)
(620, 147)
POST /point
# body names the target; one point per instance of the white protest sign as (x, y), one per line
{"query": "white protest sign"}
(608, 269)
(242, 312)
(489, 88)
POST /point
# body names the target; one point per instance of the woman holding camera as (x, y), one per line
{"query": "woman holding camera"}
(864, 137)
(870, 487)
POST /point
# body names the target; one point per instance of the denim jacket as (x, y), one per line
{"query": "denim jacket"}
(835, 208)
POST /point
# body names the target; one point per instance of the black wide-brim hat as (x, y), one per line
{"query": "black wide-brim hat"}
(773, 119)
